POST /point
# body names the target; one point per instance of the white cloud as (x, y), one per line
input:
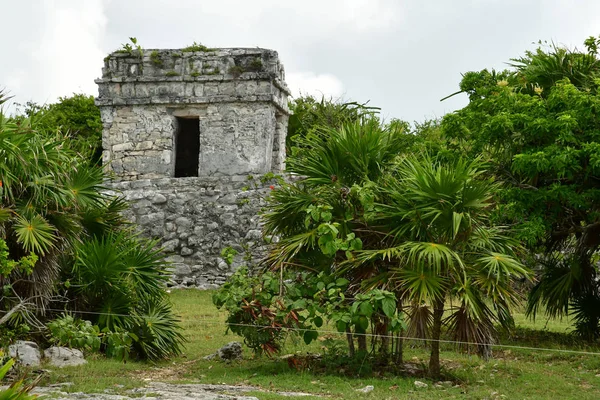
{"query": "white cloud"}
(310, 83)
(70, 47)
(62, 52)
(401, 55)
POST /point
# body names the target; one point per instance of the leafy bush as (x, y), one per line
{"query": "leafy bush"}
(118, 343)
(75, 333)
(537, 126)
(264, 310)
(75, 116)
(156, 330)
(121, 277)
(46, 188)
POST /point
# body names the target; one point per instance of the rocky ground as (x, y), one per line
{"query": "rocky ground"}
(165, 391)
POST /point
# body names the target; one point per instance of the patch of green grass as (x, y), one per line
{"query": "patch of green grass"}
(513, 373)
(171, 73)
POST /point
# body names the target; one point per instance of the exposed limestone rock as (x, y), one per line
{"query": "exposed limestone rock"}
(230, 352)
(64, 357)
(26, 353)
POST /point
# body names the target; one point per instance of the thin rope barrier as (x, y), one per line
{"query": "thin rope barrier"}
(445, 341)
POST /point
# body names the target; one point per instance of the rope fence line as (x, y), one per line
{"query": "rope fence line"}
(445, 341)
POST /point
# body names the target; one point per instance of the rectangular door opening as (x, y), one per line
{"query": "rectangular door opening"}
(187, 147)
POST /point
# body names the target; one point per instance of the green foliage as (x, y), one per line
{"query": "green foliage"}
(75, 333)
(228, 254)
(196, 47)
(11, 334)
(122, 277)
(255, 65)
(75, 116)
(543, 69)
(62, 237)
(537, 126)
(264, 310)
(418, 227)
(24, 265)
(156, 329)
(16, 391)
(172, 73)
(155, 58)
(591, 44)
(354, 153)
(118, 343)
(45, 189)
(132, 48)
(309, 114)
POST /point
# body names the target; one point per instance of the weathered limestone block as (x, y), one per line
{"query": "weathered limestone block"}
(64, 357)
(26, 353)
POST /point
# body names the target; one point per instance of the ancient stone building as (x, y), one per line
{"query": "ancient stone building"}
(192, 139)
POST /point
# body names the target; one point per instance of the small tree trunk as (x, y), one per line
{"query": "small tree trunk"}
(434, 359)
(385, 338)
(350, 339)
(399, 356)
(400, 349)
(362, 342)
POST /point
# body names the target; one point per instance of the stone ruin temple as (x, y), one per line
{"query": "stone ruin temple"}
(192, 140)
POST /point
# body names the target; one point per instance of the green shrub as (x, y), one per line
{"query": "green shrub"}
(75, 333)
(122, 278)
(118, 343)
(196, 47)
(157, 330)
(228, 254)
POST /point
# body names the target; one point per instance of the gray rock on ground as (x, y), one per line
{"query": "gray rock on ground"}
(26, 353)
(64, 357)
(231, 351)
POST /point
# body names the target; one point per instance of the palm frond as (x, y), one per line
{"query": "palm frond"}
(35, 234)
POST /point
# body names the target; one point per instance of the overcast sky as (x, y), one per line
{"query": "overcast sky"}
(401, 55)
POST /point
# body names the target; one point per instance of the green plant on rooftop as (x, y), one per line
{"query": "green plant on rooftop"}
(155, 58)
(196, 47)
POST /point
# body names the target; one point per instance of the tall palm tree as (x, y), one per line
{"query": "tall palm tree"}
(445, 250)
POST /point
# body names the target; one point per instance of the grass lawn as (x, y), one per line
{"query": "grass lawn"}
(512, 374)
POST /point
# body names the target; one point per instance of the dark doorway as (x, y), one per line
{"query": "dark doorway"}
(187, 147)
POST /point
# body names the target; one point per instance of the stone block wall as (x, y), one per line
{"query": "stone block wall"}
(238, 95)
(196, 218)
(237, 101)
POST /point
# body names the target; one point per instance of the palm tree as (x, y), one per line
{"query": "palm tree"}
(444, 249)
(338, 169)
(543, 69)
(43, 188)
